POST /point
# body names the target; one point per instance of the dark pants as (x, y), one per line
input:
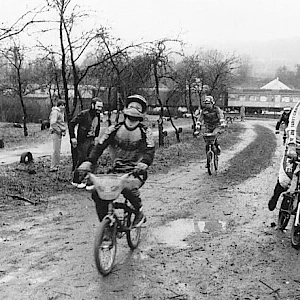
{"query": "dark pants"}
(83, 150)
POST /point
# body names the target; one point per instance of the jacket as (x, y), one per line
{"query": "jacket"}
(211, 117)
(57, 121)
(127, 147)
(84, 121)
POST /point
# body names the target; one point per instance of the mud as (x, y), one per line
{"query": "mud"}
(202, 240)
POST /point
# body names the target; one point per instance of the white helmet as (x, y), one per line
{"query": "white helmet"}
(209, 100)
(135, 110)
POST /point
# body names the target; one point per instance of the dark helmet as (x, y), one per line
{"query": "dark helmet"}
(131, 110)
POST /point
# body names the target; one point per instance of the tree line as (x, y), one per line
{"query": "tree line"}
(92, 56)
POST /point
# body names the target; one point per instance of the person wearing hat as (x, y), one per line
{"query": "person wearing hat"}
(212, 118)
(58, 130)
(88, 131)
(284, 119)
(132, 149)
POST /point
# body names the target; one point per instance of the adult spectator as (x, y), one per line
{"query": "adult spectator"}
(88, 130)
(58, 130)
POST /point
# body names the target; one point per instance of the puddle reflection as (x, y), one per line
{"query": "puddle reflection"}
(174, 233)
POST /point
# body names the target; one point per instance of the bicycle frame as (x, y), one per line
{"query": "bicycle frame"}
(290, 206)
(113, 225)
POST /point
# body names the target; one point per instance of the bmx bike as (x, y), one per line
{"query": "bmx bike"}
(290, 206)
(212, 159)
(117, 223)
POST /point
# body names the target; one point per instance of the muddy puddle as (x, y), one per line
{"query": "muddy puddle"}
(174, 234)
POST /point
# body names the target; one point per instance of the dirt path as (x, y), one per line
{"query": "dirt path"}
(203, 240)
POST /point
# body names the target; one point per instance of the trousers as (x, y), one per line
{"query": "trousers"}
(55, 159)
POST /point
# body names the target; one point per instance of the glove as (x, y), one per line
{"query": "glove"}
(277, 132)
(140, 168)
(74, 142)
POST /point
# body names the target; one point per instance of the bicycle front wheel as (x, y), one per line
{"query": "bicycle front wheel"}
(212, 162)
(105, 247)
(134, 234)
(295, 236)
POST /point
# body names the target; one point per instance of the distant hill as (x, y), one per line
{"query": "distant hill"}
(267, 56)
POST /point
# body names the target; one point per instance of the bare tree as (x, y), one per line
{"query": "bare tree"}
(15, 57)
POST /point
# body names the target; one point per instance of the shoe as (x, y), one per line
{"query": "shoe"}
(89, 187)
(139, 219)
(81, 185)
(272, 203)
(74, 184)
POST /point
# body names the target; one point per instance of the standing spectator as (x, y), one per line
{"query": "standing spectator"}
(58, 130)
(242, 113)
(88, 122)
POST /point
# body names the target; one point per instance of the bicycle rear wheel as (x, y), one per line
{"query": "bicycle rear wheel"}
(134, 234)
(105, 247)
(285, 211)
(212, 163)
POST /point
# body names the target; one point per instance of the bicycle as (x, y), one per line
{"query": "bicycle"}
(290, 206)
(117, 223)
(212, 159)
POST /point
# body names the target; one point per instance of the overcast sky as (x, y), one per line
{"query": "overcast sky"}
(198, 22)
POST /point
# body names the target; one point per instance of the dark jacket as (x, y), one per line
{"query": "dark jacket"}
(283, 119)
(84, 120)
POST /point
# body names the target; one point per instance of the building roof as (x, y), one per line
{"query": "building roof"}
(275, 84)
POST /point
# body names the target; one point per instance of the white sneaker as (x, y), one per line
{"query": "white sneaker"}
(74, 184)
(89, 187)
(81, 185)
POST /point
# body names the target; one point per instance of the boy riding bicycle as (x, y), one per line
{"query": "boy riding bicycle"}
(132, 149)
(291, 154)
(212, 117)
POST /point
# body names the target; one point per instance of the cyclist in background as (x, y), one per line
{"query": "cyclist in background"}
(132, 149)
(291, 154)
(212, 117)
(284, 119)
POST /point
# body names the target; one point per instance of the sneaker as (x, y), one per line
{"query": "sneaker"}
(272, 203)
(89, 187)
(139, 219)
(74, 184)
(81, 185)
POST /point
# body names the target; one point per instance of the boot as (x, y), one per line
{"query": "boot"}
(274, 199)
